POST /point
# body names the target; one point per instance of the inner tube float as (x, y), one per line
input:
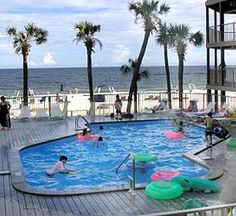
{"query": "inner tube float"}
(145, 157)
(231, 142)
(164, 175)
(220, 132)
(192, 183)
(174, 135)
(87, 137)
(163, 190)
(140, 165)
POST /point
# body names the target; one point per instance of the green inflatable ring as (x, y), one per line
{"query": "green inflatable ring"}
(231, 142)
(163, 190)
(145, 157)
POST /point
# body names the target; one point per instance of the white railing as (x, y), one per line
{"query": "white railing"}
(78, 104)
(229, 33)
(219, 210)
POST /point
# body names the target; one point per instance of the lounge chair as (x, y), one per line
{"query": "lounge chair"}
(196, 115)
(25, 112)
(56, 112)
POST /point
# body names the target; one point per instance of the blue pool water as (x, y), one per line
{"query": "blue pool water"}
(97, 163)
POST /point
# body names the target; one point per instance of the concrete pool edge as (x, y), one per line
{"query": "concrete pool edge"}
(19, 181)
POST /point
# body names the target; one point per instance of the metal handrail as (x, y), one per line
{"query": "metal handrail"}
(213, 144)
(119, 166)
(77, 121)
(189, 212)
(131, 178)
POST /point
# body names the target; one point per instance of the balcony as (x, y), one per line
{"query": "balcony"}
(223, 79)
(227, 39)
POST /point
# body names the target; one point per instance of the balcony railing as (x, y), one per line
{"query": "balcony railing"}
(229, 33)
(223, 77)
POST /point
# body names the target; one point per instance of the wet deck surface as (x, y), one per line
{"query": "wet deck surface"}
(13, 202)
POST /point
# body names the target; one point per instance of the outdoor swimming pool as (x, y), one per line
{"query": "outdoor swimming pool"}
(97, 163)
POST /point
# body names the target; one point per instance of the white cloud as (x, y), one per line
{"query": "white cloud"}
(48, 59)
(121, 54)
(32, 63)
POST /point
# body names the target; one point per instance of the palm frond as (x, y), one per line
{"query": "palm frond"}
(197, 39)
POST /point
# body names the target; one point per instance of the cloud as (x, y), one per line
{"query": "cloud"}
(32, 63)
(48, 59)
(121, 54)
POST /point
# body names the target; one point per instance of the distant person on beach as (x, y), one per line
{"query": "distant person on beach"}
(59, 167)
(5, 114)
(118, 105)
(192, 107)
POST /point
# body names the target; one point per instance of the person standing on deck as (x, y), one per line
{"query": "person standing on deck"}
(5, 114)
(118, 105)
(209, 123)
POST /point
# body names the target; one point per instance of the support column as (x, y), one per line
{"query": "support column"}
(222, 54)
(209, 98)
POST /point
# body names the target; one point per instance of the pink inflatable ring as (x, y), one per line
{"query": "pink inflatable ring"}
(164, 175)
(174, 135)
(87, 137)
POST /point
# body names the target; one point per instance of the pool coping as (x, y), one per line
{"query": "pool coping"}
(19, 180)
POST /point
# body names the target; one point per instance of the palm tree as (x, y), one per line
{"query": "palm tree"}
(163, 39)
(130, 68)
(86, 33)
(181, 37)
(147, 12)
(22, 44)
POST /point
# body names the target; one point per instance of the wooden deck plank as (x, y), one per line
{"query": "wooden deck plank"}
(100, 203)
(122, 203)
(53, 209)
(37, 206)
(143, 207)
(65, 206)
(22, 204)
(57, 203)
(44, 206)
(127, 198)
(29, 205)
(80, 205)
(157, 206)
(14, 200)
(73, 207)
(87, 205)
(116, 208)
(106, 203)
(7, 196)
(94, 205)
(2, 198)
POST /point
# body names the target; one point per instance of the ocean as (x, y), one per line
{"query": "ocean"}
(44, 80)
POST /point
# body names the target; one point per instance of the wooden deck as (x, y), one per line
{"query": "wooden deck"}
(13, 202)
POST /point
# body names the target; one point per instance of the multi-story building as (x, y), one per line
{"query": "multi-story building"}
(221, 45)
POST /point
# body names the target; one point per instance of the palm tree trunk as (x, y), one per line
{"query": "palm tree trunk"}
(167, 69)
(90, 80)
(25, 80)
(134, 80)
(180, 77)
(135, 98)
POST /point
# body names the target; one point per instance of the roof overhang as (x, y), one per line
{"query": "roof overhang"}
(228, 6)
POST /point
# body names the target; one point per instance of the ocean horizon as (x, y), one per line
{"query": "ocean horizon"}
(44, 80)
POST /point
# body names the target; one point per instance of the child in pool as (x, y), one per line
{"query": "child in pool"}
(179, 125)
(93, 136)
(59, 167)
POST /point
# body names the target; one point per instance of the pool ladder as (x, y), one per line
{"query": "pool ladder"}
(131, 178)
(77, 126)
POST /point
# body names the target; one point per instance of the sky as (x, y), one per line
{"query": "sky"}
(120, 36)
